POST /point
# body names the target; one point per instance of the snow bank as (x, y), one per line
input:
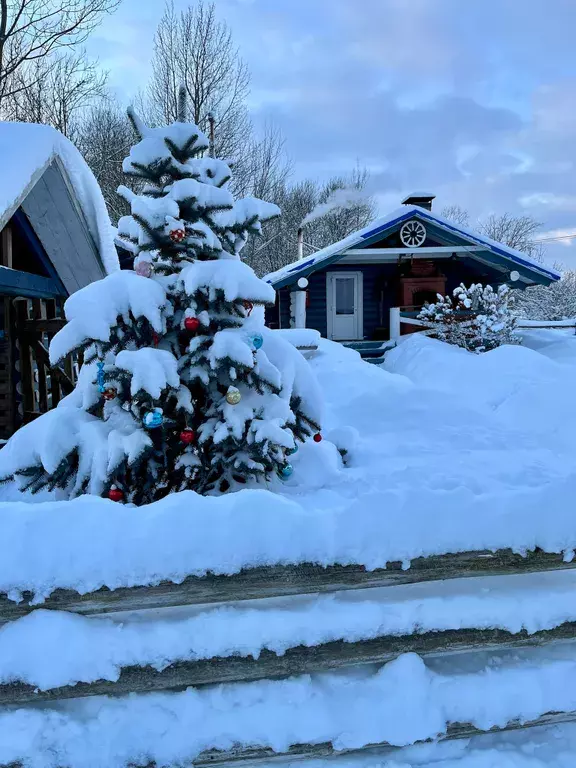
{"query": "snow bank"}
(403, 702)
(89, 542)
(26, 150)
(446, 451)
(523, 389)
(97, 648)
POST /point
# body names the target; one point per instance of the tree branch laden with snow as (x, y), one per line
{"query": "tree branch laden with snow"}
(477, 318)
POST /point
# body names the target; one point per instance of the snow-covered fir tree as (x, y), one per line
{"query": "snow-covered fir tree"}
(477, 318)
(182, 386)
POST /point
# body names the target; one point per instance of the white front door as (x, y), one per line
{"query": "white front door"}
(344, 305)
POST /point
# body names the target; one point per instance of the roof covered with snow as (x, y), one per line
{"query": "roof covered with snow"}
(26, 152)
(359, 239)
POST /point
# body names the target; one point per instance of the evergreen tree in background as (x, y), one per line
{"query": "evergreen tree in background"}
(182, 386)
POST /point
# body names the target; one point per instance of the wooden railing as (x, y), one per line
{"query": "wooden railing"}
(409, 316)
(41, 385)
(267, 582)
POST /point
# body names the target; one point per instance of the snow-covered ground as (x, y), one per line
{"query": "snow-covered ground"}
(445, 451)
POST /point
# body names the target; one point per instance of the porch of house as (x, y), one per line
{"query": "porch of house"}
(31, 313)
(352, 303)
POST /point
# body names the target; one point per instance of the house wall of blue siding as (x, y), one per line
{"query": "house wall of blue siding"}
(379, 294)
(381, 291)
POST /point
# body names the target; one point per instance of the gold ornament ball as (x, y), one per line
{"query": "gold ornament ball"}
(233, 396)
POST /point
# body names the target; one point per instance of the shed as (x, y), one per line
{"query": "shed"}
(55, 237)
(400, 261)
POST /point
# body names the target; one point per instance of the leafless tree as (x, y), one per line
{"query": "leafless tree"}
(517, 232)
(277, 246)
(342, 221)
(104, 137)
(192, 47)
(457, 214)
(56, 91)
(34, 29)
(262, 167)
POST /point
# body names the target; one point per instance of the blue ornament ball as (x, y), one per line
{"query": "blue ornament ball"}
(153, 419)
(100, 376)
(292, 451)
(257, 340)
(286, 471)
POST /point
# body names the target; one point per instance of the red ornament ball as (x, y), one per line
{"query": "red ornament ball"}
(115, 494)
(191, 323)
(187, 436)
(155, 338)
(317, 437)
(177, 235)
(248, 306)
(109, 394)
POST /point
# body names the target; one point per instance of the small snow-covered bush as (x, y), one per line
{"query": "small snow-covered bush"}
(477, 318)
(556, 301)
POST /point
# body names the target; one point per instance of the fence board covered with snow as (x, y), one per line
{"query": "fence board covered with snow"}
(295, 661)
(326, 647)
(206, 644)
(278, 581)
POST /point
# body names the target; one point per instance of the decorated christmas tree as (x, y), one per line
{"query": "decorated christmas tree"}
(182, 386)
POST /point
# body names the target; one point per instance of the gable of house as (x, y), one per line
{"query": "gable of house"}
(443, 238)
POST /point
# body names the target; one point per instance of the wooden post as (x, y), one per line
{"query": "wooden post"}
(394, 323)
(26, 381)
(298, 309)
(6, 247)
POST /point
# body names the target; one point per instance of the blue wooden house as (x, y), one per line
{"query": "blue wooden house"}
(55, 237)
(347, 290)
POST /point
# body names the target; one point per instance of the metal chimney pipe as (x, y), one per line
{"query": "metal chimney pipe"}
(300, 239)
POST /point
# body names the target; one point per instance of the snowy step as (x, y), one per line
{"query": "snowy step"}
(361, 346)
(371, 351)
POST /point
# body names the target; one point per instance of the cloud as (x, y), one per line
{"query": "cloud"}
(549, 200)
(476, 101)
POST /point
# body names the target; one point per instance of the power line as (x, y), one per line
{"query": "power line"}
(570, 236)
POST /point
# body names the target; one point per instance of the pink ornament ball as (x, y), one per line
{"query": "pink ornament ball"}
(143, 268)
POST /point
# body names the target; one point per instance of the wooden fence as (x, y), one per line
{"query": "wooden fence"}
(295, 580)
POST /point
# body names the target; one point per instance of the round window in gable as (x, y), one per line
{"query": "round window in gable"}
(413, 234)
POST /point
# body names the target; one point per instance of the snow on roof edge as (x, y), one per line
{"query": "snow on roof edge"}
(404, 211)
(28, 149)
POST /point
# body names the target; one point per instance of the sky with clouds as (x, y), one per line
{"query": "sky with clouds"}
(472, 99)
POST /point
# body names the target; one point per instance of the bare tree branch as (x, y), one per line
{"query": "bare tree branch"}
(517, 232)
(104, 137)
(56, 91)
(193, 48)
(31, 30)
